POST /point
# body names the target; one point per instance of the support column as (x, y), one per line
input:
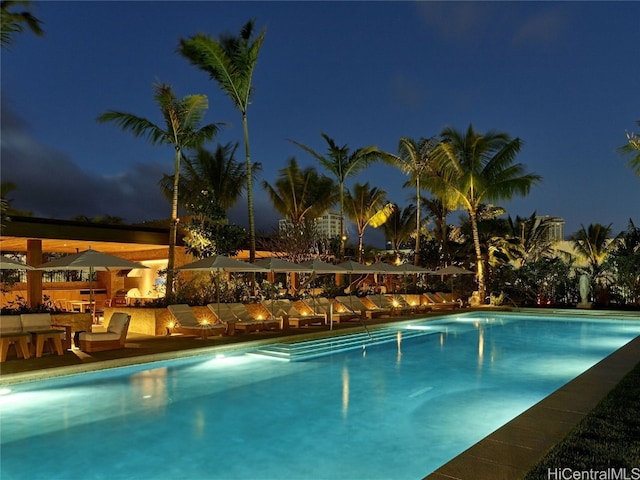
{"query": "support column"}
(34, 277)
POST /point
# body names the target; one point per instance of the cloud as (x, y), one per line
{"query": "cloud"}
(50, 184)
(459, 21)
(406, 92)
(541, 28)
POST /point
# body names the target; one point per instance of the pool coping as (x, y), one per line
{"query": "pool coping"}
(512, 450)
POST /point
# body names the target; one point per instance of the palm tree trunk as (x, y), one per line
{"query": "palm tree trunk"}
(252, 221)
(479, 260)
(360, 241)
(173, 227)
(342, 235)
(416, 256)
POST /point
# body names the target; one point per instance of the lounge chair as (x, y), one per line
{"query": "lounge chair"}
(362, 307)
(450, 298)
(386, 304)
(437, 303)
(399, 304)
(188, 324)
(338, 311)
(113, 339)
(416, 301)
(296, 313)
(44, 332)
(306, 315)
(238, 317)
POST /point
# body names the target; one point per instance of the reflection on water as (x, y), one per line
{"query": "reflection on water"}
(152, 388)
(345, 391)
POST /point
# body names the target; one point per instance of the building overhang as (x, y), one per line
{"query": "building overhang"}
(66, 236)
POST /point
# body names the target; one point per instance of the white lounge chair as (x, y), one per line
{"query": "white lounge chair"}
(188, 324)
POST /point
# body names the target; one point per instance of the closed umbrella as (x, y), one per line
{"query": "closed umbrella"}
(91, 261)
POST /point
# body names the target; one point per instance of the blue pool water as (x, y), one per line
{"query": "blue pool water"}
(397, 410)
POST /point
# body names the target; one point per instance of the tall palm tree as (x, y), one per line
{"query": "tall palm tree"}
(216, 175)
(438, 213)
(299, 194)
(367, 206)
(231, 61)
(632, 150)
(182, 130)
(475, 168)
(400, 226)
(343, 163)
(12, 22)
(414, 160)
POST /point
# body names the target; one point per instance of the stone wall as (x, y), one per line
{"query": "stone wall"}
(79, 322)
(153, 321)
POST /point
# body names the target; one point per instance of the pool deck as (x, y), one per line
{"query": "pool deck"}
(508, 453)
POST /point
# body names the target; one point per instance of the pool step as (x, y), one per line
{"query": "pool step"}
(299, 351)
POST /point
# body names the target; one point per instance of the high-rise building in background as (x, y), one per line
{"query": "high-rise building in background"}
(328, 224)
(555, 232)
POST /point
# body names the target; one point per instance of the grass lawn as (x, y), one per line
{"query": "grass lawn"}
(607, 438)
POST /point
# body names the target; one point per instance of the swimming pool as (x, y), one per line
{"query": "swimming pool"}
(394, 410)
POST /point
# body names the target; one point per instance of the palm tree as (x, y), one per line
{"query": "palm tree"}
(299, 194)
(343, 163)
(593, 244)
(399, 227)
(632, 150)
(438, 213)
(367, 206)
(12, 22)
(414, 160)
(181, 130)
(523, 241)
(475, 168)
(231, 61)
(210, 176)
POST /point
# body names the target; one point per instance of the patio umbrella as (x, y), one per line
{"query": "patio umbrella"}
(386, 268)
(278, 265)
(90, 260)
(7, 263)
(355, 268)
(319, 267)
(221, 263)
(452, 270)
(411, 269)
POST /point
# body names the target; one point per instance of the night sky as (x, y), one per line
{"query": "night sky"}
(562, 76)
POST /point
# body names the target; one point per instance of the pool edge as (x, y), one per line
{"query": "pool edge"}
(513, 449)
